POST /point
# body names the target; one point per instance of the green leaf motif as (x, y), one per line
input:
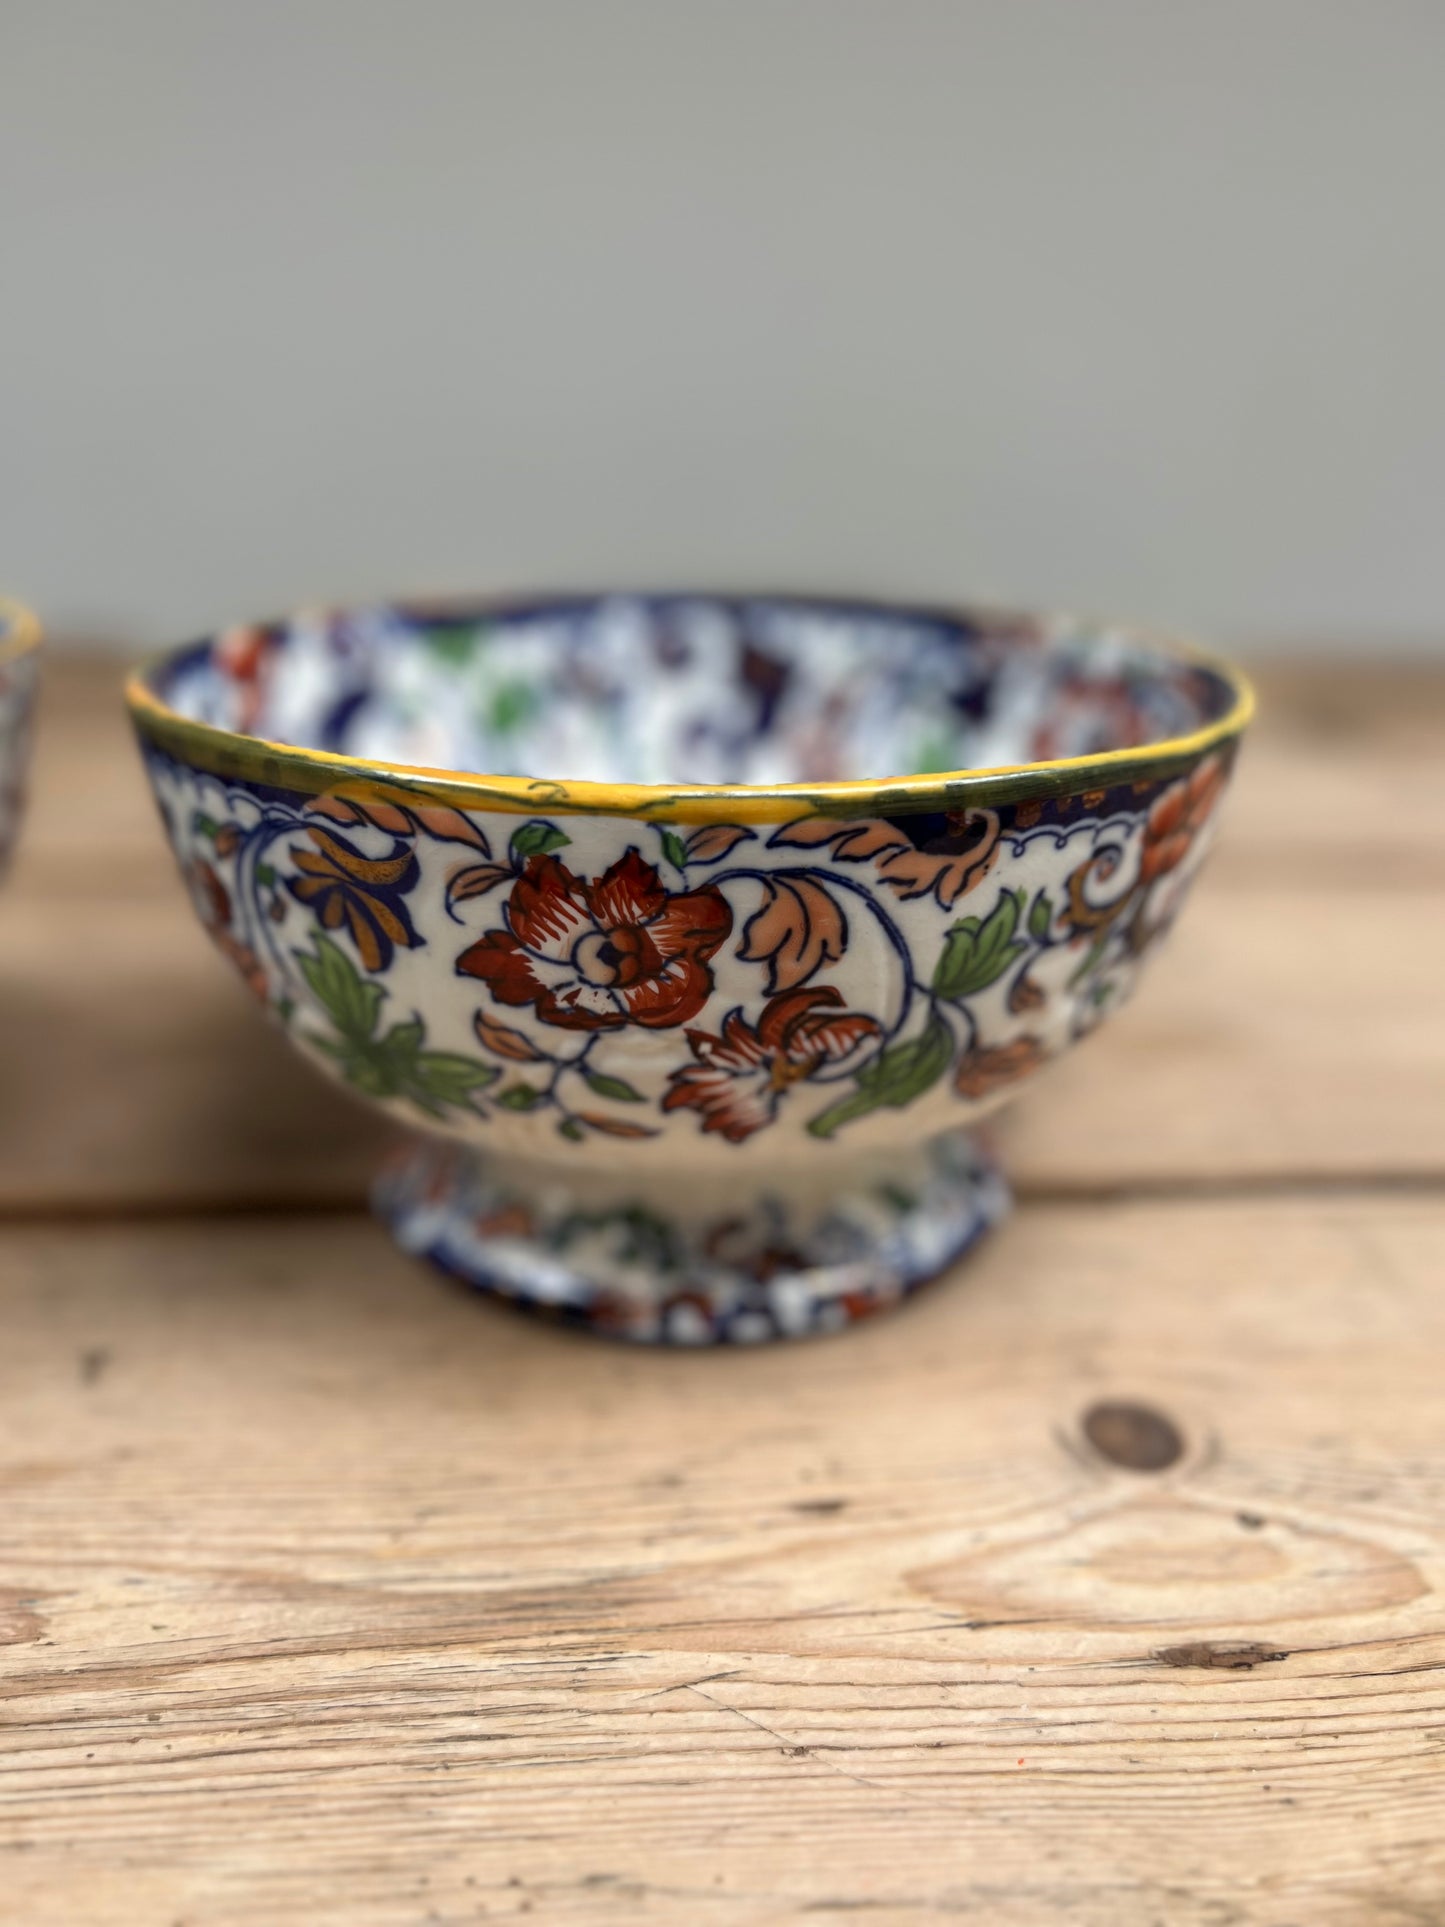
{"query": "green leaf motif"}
(369, 1076)
(1041, 917)
(359, 1063)
(396, 1064)
(338, 986)
(450, 1077)
(203, 825)
(403, 1041)
(452, 642)
(614, 1087)
(674, 849)
(572, 1131)
(894, 1078)
(537, 838)
(976, 953)
(512, 704)
(449, 1067)
(520, 1097)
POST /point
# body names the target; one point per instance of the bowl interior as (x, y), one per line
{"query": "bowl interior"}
(691, 688)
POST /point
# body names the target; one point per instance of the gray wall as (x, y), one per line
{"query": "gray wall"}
(1125, 305)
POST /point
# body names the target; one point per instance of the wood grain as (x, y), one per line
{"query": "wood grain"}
(331, 1593)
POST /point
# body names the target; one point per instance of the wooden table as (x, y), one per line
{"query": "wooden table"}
(330, 1593)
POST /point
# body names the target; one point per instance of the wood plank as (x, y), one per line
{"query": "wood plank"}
(91, 826)
(328, 1592)
(1283, 1034)
(139, 1076)
(1339, 780)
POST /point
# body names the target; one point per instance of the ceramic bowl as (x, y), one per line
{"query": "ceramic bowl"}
(19, 670)
(761, 904)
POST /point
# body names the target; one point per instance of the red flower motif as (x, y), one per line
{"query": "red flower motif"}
(213, 905)
(600, 954)
(212, 898)
(739, 1077)
(986, 1069)
(1177, 817)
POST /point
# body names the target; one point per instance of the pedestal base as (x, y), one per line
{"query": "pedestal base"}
(628, 1269)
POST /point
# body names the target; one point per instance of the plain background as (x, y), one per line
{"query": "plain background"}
(1127, 306)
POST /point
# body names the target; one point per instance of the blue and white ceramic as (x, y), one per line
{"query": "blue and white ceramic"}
(695, 933)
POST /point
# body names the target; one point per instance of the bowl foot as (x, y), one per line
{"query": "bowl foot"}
(628, 1269)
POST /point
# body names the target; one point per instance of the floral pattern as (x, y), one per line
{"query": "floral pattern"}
(985, 1069)
(946, 860)
(601, 955)
(813, 977)
(1177, 818)
(213, 906)
(740, 1077)
(364, 895)
(697, 1023)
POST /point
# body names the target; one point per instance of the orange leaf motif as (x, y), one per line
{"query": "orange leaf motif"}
(982, 1071)
(502, 1041)
(387, 816)
(476, 880)
(1026, 995)
(339, 859)
(450, 826)
(715, 840)
(913, 873)
(799, 929)
(510, 1221)
(852, 841)
(344, 809)
(446, 825)
(907, 870)
(611, 1126)
(336, 807)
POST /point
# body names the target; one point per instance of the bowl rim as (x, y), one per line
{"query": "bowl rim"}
(236, 755)
(20, 630)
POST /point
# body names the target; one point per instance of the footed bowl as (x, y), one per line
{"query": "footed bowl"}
(694, 933)
(19, 670)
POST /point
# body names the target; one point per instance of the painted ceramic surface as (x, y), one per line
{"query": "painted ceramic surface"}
(694, 1010)
(17, 695)
(716, 1076)
(655, 994)
(702, 690)
(783, 1266)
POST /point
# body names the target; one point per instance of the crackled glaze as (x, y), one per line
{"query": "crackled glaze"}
(703, 1060)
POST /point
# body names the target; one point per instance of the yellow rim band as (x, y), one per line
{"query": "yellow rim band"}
(313, 772)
